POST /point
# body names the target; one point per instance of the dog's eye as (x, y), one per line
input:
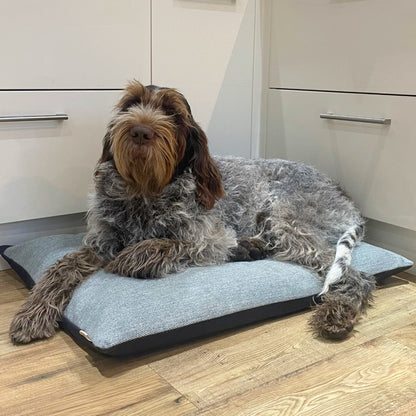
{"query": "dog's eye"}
(172, 112)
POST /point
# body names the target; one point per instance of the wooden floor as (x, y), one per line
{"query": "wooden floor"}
(273, 368)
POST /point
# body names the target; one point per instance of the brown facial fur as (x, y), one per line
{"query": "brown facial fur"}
(147, 168)
(178, 143)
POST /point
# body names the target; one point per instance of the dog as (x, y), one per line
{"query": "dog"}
(161, 203)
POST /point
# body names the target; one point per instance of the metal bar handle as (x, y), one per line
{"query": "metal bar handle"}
(355, 118)
(42, 117)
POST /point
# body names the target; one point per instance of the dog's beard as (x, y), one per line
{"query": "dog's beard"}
(147, 168)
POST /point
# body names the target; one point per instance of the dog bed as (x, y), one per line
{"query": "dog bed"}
(118, 315)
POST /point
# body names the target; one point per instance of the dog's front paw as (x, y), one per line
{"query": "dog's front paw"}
(142, 260)
(124, 265)
(150, 259)
(33, 322)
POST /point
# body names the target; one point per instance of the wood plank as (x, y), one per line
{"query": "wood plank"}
(57, 377)
(7, 312)
(232, 365)
(79, 392)
(12, 288)
(10, 281)
(405, 335)
(372, 379)
(408, 409)
(407, 276)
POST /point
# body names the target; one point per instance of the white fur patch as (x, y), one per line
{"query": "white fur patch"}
(342, 252)
(333, 276)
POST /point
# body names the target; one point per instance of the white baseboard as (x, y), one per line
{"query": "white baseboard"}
(397, 239)
(19, 232)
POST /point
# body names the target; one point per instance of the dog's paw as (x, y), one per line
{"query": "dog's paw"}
(248, 249)
(124, 265)
(148, 259)
(32, 323)
(334, 319)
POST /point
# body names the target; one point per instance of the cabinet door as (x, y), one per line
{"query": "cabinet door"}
(374, 163)
(356, 46)
(205, 49)
(73, 44)
(46, 166)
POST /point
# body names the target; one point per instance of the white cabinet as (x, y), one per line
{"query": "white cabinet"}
(74, 44)
(46, 166)
(75, 56)
(357, 46)
(205, 49)
(62, 57)
(352, 58)
(373, 162)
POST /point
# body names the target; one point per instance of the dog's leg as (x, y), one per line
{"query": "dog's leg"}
(346, 300)
(158, 257)
(301, 246)
(346, 293)
(151, 258)
(39, 316)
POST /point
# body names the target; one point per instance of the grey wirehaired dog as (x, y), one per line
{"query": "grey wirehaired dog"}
(161, 203)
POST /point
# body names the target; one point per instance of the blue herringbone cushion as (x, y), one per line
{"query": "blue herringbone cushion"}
(122, 315)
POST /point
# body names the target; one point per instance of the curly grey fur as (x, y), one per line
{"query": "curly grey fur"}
(271, 208)
(283, 203)
(39, 316)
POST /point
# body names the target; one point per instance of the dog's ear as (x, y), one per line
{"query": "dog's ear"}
(133, 94)
(208, 177)
(106, 155)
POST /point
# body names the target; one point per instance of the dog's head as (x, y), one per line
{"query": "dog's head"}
(153, 137)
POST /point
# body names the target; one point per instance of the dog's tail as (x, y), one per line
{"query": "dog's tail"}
(342, 260)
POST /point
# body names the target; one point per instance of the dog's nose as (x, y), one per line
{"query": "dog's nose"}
(141, 134)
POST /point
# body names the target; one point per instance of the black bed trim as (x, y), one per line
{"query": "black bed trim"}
(384, 275)
(21, 271)
(198, 330)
